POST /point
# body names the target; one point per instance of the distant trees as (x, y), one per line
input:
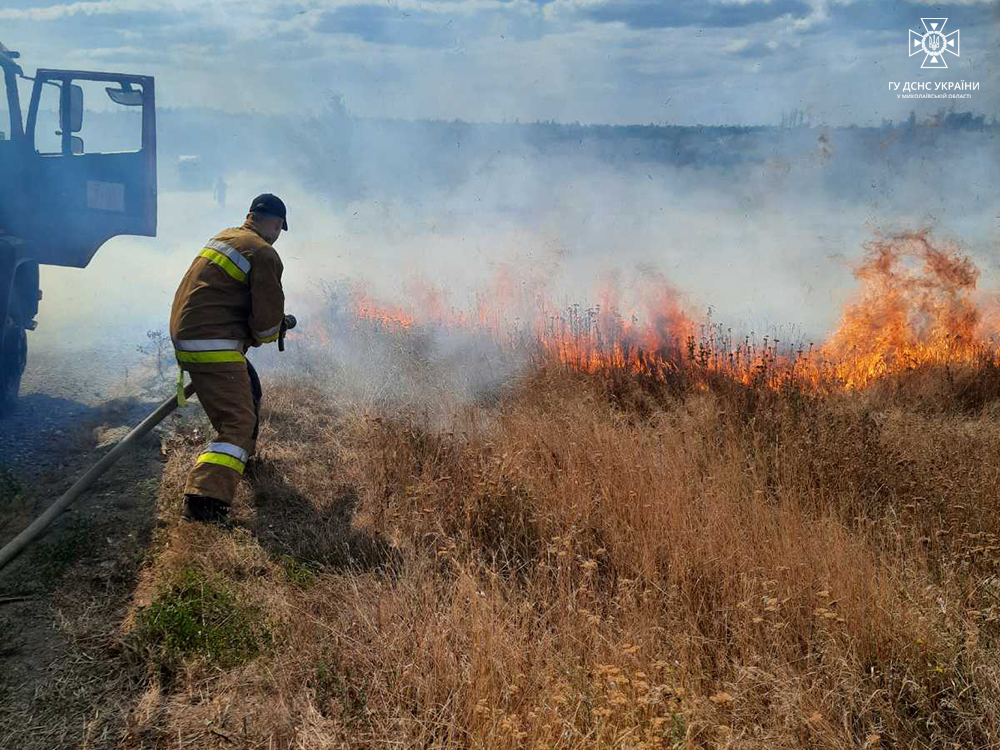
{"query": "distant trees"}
(797, 118)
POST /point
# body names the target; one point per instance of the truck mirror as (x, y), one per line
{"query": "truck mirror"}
(76, 144)
(126, 95)
(75, 109)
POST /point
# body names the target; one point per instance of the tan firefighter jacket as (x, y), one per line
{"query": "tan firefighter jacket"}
(230, 299)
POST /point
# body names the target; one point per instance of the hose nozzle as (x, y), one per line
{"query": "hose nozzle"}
(287, 324)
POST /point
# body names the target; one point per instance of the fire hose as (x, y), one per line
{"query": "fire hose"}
(40, 524)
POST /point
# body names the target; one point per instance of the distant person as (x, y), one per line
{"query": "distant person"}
(230, 300)
(220, 192)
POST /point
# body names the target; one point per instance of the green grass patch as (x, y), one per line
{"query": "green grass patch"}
(201, 616)
(678, 731)
(297, 573)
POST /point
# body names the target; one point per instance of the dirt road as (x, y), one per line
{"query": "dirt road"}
(61, 603)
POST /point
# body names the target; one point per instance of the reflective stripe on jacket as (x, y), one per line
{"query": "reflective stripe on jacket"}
(230, 298)
(209, 350)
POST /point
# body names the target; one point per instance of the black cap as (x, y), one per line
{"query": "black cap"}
(271, 205)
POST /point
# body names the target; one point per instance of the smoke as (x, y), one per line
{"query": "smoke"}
(761, 229)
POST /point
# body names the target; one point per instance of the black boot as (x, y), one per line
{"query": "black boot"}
(206, 509)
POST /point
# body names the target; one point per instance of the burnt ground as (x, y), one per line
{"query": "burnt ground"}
(63, 680)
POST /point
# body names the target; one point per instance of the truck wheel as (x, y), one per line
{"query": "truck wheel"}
(13, 360)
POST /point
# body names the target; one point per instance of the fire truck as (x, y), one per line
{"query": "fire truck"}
(60, 202)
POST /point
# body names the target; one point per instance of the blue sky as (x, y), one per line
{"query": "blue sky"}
(618, 61)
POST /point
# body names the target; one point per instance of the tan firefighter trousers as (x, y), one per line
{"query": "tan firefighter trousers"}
(231, 399)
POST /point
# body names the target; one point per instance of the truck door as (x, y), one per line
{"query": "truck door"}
(11, 149)
(84, 195)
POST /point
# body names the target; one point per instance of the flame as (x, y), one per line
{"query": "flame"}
(367, 309)
(915, 308)
(916, 305)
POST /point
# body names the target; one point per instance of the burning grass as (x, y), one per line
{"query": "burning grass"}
(691, 555)
(917, 309)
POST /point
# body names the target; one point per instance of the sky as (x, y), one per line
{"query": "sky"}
(610, 61)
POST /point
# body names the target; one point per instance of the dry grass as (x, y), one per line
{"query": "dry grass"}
(593, 561)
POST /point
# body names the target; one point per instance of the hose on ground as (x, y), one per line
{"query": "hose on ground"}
(26, 537)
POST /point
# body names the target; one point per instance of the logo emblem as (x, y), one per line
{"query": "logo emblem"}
(934, 43)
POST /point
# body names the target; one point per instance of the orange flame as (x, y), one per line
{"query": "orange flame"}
(367, 309)
(915, 307)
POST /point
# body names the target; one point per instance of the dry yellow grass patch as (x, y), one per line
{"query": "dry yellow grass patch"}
(587, 563)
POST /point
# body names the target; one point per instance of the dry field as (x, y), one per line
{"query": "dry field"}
(587, 536)
(589, 560)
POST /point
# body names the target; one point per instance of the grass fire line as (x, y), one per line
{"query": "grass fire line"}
(916, 307)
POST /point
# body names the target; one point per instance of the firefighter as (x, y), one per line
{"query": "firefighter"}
(230, 300)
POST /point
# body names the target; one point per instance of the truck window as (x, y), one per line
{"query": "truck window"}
(47, 140)
(108, 127)
(110, 123)
(5, 129)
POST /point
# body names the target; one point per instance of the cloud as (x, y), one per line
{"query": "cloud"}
(869, 15)
(33, 10)
(68, 10)
(435, 25)
(752, 49)
(714, 61)
(652, 14)
(385, 24)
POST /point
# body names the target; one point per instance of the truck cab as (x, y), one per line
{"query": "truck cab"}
(60, 200)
